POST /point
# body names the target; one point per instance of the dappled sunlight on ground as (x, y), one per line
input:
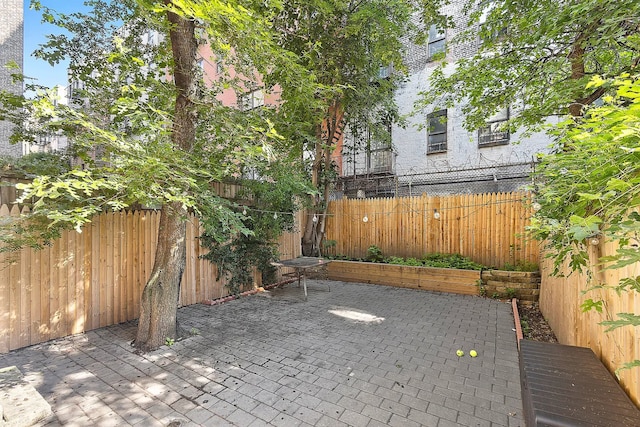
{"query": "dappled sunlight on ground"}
(356, 315)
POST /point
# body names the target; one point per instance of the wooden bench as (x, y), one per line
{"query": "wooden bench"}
(568, 386)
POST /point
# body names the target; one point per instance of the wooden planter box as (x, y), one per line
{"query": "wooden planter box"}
(427, 278)
(525, 284)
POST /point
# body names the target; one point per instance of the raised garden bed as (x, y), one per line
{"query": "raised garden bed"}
(490, 283)
(523, 285)
(427, 278)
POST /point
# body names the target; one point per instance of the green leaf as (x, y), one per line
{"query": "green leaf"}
(627, 365)
(625, 319)
(590, 304)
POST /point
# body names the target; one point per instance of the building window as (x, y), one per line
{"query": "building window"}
(437, 132)
(495, 132)
(437, 41)
(385, 72)
(152, 38)
(251, 100)
(201, 63)
(379, 152)
(219, 67)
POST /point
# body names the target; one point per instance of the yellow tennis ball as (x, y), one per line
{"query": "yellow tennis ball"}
(460, 353)
(473, 353)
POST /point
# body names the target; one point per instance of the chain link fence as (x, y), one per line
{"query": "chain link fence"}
(485, 179)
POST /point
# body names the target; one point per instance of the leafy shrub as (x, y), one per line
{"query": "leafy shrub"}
(394, 260)
(450, 261)
(39, 164)
(374, 254)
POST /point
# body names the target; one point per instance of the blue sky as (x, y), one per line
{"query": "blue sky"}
(35, 34)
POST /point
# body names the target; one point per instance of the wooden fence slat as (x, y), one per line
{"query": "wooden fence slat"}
(118, 291)
(5, 307)
(129, 263)
(25, 296)
(72, 301)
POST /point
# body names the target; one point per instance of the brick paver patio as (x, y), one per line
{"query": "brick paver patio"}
(357, 355)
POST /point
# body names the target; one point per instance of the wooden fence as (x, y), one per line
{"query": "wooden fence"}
(8, 191)
(95, 278)
(488, 228)
(560, 300)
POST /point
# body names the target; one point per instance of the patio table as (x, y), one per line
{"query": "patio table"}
(301, 265)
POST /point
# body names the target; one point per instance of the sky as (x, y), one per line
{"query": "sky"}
(35, 34)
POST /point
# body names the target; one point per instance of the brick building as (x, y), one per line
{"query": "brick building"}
(11, 50)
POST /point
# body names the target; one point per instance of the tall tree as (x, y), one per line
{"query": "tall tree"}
(343, 44)
(160, 295)
(150, 131)
(536, 57)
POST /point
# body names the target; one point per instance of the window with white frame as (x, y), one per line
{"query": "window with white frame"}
(437, 132)
(495, 133)
(437, 41)
(251, 100)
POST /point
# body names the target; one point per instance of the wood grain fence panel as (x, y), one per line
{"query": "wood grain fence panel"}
(14, 306)
(35, 278)
(70, 281)
(500, 227)
(192, 284)
(5, 295)
(62, 267)
(110, 239)
(130, 263)
(94, 264)
(77, 285)
(488, 228)
(102, 270)
(114, 283)
(58, 291)
(26, 287)
(138, 260)
(560, 300)
(147, 261)
(198, 263)
(121, 268)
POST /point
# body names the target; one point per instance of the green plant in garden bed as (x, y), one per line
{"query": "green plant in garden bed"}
(437, 260)
(451, 261)
(374, 254)
(521, 266)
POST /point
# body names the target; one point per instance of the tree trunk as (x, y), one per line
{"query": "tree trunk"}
(309, 247)
(328, 134)
(159, 302)
(576, 57)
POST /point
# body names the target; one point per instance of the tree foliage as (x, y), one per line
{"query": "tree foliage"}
(267, 211)
(147, 129)
(589, 188)
(536, 57)
(342, 44)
